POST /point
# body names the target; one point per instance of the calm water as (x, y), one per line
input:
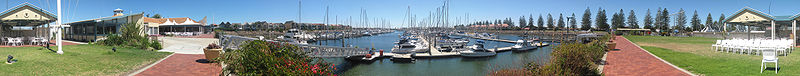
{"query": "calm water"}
(443, 66)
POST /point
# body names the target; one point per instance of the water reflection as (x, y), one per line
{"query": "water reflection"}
(444, 66)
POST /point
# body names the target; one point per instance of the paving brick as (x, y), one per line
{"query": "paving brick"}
(634, 61)
(183, 65)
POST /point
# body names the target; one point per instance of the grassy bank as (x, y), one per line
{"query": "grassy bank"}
(76, 60)
(696, 55)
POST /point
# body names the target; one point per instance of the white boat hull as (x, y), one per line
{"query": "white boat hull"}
(478, 54)
(524, 48)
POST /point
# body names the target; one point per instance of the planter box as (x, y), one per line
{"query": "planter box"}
(611, 45)
(211, 53)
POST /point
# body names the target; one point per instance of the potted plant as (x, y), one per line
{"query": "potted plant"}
(611, 45)
(212, 51)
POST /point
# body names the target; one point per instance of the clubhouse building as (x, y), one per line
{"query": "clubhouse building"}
(25, 24)
(757, 24)
(94, 29)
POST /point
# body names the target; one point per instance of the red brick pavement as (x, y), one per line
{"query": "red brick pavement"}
(183, 65)
(631, 60)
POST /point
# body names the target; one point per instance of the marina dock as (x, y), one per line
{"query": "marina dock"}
(490, 39)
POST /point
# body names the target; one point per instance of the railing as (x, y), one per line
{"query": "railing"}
(233, 42)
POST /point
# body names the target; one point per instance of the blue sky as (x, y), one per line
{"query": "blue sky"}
(393, 10)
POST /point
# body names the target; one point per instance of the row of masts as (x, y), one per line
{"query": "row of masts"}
(440, 18)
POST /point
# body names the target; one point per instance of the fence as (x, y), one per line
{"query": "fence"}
(233, 42)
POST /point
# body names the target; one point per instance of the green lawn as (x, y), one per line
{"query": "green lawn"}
(77, 60)
(696, 55)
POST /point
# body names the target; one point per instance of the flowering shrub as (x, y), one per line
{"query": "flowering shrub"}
(264, 58)
(213, 46)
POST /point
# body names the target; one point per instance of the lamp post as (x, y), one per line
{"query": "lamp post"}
(569, 22)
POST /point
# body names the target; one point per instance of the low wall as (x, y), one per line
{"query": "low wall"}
(743, 35)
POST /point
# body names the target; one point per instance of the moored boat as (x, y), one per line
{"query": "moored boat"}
(522, 45)
(478, 51)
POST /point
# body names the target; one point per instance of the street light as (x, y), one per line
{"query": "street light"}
(569, 22)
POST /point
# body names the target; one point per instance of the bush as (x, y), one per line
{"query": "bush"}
(570, 59)
(130, 36)
(156, 45)
(264, 58)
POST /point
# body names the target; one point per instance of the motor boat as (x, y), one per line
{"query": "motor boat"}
(403, 46)
(368, 58)
(421, 47)
(403, 50)
(478, 50)
(522, 45)
(403, 58)
(460, 40)
(540, 44)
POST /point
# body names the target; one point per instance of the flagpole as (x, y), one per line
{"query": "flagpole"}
(58, 27)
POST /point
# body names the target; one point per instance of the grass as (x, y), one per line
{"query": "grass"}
(76, 60)
(696, 55)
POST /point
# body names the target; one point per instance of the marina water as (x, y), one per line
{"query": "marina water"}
(438, 66)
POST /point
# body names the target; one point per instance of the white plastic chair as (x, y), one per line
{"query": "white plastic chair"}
(16, 41)
(769, 56)
(19, 41)
(8, 41)
(44, 41)
(717, 45)
(33, 40)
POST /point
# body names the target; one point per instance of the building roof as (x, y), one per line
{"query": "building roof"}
(105, 18)
(171, 21)
(29, 5)
(776, 18)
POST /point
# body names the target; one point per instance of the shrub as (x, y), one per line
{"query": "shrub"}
(264, 58)
(156, 45)
(130, 36)
(568, 59)
(217, 33)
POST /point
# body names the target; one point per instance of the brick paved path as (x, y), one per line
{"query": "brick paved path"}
(633, 61)
(183, 65)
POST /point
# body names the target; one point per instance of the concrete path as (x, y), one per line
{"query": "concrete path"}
(631, 60)
(185, 45)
